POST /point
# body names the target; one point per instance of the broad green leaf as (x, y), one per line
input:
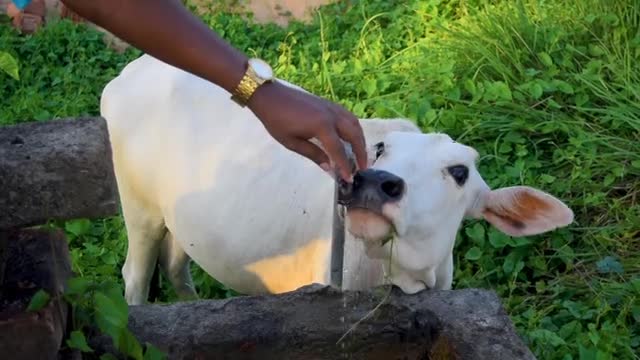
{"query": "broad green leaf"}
(498, 90)
(596, 50)
(476, 233)
(505, 92)
(581, 99)
(498, 239)
(536, 91)
(563, 86)
(128, 344)
(520, 241)
(586, 353)
(454, 94)
(519, 266)
(594, 337)
(470, 86)
(77, 286)
(39, 300)
(578, 310)
(538, 263)
(547, 178)
(473, 254)
(9, 65)
(547, 337)
(110, 316)
(369, 86)
(518, 96)
(545, 59)
(510, 262)
(569, 329)
(541, 286)
(78, 341)
(609, 179)
(504, 148)
(78, 227)
(515, 137)
(567, 254)
(554, 104)
(358, 109)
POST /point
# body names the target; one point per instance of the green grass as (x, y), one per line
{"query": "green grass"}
(547, 91)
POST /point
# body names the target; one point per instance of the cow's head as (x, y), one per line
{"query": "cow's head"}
(417, 191)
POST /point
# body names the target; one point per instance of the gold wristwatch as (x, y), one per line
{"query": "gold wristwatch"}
(258, 72)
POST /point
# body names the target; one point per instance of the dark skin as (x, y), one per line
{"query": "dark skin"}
(166, 30)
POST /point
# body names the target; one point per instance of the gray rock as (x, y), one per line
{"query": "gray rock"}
(56, 170)
(310, 322)
(34, 260)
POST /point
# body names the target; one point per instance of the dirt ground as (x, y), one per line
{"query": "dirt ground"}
(264, 11)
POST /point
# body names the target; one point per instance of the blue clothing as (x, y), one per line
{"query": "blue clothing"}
(21, 4)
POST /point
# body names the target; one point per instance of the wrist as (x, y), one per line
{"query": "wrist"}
(262, 95)
(230, 79)
(257, 74)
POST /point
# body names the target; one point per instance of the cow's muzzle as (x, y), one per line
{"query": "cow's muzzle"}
(370, 190)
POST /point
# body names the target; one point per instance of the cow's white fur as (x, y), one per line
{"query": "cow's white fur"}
(199, 177)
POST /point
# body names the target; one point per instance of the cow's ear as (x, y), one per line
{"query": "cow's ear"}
(522, 211)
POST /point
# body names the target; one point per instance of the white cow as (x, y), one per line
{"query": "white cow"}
(200, 178)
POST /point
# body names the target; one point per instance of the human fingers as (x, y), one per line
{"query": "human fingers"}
(333, 146)
(350, 130)
(311, 151)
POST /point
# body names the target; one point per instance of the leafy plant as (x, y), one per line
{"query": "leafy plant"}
(9, 65)
(39, 300)
(101, 304)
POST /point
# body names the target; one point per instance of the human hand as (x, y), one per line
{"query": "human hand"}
(293, 117)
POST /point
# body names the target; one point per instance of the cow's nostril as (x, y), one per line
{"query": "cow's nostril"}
(393, 188)
(357, 181)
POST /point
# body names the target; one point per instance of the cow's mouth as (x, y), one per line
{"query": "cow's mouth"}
(369, 225)
(371, 202)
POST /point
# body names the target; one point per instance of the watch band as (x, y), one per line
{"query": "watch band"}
(245, 89)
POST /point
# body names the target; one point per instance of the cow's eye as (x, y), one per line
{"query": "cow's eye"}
(460, 173)
(379, 149)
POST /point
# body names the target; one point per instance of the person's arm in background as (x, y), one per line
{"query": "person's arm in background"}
(166, 30)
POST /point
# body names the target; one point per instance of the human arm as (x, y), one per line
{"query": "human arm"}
(166, 30)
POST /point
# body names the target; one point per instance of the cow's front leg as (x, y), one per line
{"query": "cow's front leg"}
(145, 231)
(444, 274)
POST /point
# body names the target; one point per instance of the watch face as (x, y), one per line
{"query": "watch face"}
(261, 68)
